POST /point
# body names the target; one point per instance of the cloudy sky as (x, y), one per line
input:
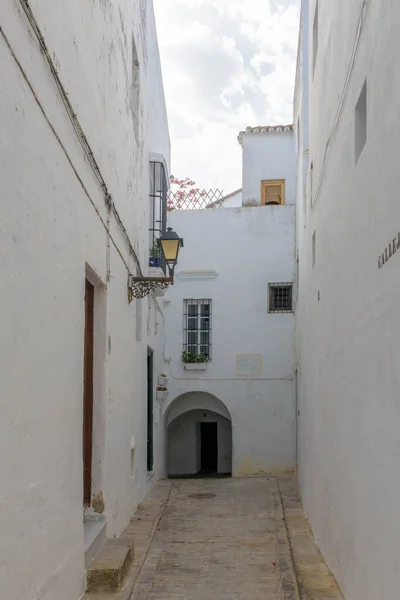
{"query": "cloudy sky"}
(226, 64)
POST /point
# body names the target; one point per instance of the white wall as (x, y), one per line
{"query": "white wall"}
(267, 155)
(230, 255)
(301, 126)
(184, 443)
(348, 307)
(51, 236)
(233, 200)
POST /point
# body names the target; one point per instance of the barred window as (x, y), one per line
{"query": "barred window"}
(158, 212)
(280, 297)
(197, 327)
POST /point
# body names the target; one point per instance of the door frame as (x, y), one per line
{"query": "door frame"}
(88, 370)
(150, 410)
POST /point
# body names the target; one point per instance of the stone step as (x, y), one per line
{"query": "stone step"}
(109, 567)
(94, 536)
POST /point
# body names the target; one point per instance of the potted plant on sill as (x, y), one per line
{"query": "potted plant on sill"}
(155, 255)
(162, 380)
(194, 362)
(162, 393)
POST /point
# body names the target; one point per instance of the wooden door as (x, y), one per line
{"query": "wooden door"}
(88, 394)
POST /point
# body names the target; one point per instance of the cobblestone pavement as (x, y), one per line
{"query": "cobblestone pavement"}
(231, 543)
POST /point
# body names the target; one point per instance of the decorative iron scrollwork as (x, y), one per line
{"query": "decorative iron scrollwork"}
(140, 287)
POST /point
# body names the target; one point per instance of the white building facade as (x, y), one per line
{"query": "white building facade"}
(347, 316)
(83, 116)
(237, 265)
(289, 289)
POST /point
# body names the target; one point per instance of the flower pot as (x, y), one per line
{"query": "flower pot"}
(162, 381)
(195, 366)
(162, 395)
(154, 262)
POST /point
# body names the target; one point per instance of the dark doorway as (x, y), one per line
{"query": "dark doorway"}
(209, 447)
(150, 451)
(88, 394)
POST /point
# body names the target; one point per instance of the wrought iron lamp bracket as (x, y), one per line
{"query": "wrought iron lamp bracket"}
(140, 287)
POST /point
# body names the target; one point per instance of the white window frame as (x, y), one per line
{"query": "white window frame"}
(198, 329)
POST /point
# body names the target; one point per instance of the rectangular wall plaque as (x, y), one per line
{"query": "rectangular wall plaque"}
(248, 365)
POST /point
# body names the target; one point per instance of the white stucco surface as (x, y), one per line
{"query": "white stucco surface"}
(347, 318)
(269, 155)
(230, 255)
(51, 237)
(232, 200)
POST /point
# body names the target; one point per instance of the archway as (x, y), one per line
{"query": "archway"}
(199, 436)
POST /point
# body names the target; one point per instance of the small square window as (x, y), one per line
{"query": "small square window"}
(280, 297)
(273, 192)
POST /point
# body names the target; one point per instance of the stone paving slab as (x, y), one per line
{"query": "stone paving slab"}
(249, 541)
(231, 546)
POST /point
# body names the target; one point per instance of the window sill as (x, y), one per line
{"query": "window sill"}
(195, 366)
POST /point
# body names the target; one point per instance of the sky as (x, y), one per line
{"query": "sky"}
(227, 64)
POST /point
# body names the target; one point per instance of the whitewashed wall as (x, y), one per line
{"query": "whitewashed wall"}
(51, 235)
(348, 307)
(268, 155)
(301, 127)
(233, 200)
(230, 255)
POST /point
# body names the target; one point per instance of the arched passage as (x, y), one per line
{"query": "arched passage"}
(199, 436)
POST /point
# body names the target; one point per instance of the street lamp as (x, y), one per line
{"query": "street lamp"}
(170, 244)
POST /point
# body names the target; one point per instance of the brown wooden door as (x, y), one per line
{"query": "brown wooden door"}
(88, 394)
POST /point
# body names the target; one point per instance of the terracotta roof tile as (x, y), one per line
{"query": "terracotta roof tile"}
(263, 129)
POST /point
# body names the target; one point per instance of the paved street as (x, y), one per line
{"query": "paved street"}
(227, 539)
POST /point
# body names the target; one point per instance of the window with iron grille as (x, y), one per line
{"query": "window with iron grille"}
(280, 297)
(158, 209)
(197, 327)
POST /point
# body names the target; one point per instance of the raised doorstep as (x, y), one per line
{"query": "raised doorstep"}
(110, 566)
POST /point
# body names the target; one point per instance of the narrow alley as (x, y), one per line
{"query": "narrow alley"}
(199, 231)
(217, 539)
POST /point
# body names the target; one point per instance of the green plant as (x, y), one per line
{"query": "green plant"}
(191, 357)
(162, 375)
(155, 251)
(161, 388)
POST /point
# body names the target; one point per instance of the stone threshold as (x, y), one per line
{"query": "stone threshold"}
(94, 534)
